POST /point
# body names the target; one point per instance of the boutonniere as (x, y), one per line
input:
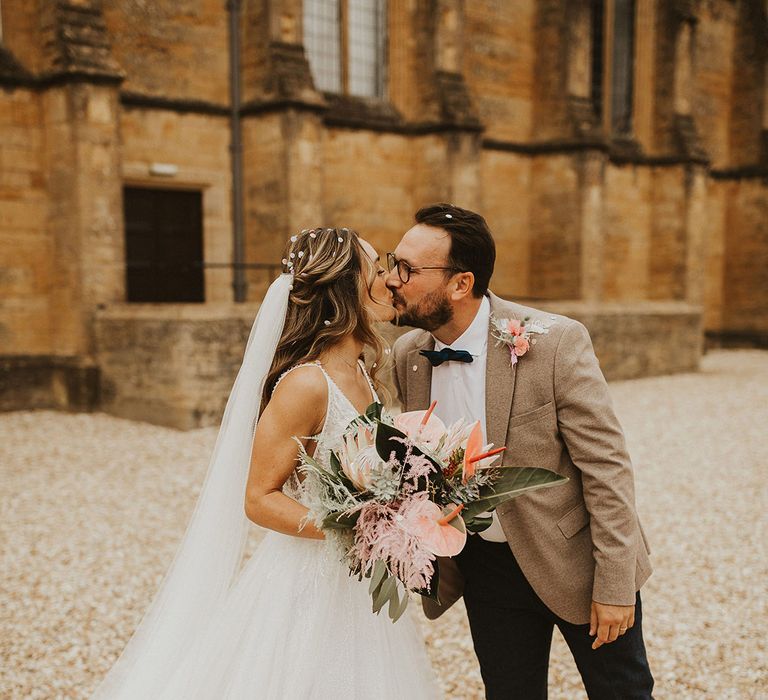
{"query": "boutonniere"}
(518, 335)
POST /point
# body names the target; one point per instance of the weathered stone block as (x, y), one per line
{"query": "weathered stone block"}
(47, 382)
(170, 364)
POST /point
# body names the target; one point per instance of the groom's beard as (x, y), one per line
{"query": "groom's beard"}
(431, 312)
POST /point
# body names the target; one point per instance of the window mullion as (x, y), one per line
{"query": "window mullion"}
(344, 47)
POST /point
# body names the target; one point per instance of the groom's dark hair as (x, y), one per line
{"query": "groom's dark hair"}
(472, 247)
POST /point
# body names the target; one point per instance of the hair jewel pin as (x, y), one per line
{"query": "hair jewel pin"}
(449, 216)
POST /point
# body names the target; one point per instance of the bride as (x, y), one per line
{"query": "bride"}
(291, 623)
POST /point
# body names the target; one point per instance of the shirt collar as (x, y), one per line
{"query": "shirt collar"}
(475, 339)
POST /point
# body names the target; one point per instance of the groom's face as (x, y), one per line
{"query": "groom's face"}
(422, 301)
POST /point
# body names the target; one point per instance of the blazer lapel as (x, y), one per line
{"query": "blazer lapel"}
(500, 377)
(419, 377)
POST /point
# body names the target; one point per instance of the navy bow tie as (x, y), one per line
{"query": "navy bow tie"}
(446, 355)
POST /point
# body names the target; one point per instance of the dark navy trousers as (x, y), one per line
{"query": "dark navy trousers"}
(512, 634)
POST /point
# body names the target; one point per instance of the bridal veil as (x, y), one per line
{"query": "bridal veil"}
(208, 558)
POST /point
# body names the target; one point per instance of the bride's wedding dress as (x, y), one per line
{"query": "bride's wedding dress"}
(296, 625)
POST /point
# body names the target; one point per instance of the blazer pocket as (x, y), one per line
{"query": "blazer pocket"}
(530, 416)
(574, 521)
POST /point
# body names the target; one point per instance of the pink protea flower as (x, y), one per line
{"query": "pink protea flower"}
(444, 535)
(422, 427)
(359, 458)
(514, 326)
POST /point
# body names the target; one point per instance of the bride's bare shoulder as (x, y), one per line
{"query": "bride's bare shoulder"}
(298, 403)
(305, 384)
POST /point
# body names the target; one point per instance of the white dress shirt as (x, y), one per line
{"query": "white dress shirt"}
(459, 387)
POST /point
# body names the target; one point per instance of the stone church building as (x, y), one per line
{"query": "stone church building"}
(156, 154)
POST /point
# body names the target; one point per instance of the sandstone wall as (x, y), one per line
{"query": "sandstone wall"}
(198, 145)
(488, 106)
(499, 61)
(172, 48)
(745, 286)
(26, 246)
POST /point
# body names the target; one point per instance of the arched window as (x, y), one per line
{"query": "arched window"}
(613, 47)
(345, 41)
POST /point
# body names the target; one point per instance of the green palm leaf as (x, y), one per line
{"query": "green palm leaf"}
(512, 482)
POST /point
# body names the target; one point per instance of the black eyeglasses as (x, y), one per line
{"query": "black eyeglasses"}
(404, 270)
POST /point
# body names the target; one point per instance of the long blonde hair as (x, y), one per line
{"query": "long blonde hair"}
(333, 277)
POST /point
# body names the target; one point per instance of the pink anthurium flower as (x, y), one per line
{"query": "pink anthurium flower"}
(423, 427)
(439, 532)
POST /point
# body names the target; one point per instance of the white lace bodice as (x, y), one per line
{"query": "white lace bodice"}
(339, 413)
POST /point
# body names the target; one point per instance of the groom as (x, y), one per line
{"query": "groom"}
(574, 556)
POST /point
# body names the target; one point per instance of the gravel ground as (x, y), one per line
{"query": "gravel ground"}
(92, 507)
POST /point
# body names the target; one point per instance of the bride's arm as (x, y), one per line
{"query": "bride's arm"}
(297, 408)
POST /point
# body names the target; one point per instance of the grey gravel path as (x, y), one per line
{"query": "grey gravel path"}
(91, 508)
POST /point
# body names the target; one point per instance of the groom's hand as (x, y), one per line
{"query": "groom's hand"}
(609, 622)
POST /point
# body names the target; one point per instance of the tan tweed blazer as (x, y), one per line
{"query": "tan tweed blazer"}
(577, 542)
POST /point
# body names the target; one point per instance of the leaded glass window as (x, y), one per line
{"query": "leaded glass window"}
(345, 41)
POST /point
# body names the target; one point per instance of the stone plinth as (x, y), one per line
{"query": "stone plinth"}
(47, 382)
(631, 340)
(639, 339)
(171, 365)
(175, 365)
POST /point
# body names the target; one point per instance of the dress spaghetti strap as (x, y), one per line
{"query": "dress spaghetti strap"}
(374, 395)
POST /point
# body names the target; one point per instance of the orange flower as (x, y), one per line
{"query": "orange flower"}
(474, 453)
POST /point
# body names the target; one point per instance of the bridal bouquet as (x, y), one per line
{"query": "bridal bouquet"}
(399, 492)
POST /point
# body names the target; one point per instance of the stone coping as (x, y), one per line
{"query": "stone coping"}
(219, 310)
(187, 312)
